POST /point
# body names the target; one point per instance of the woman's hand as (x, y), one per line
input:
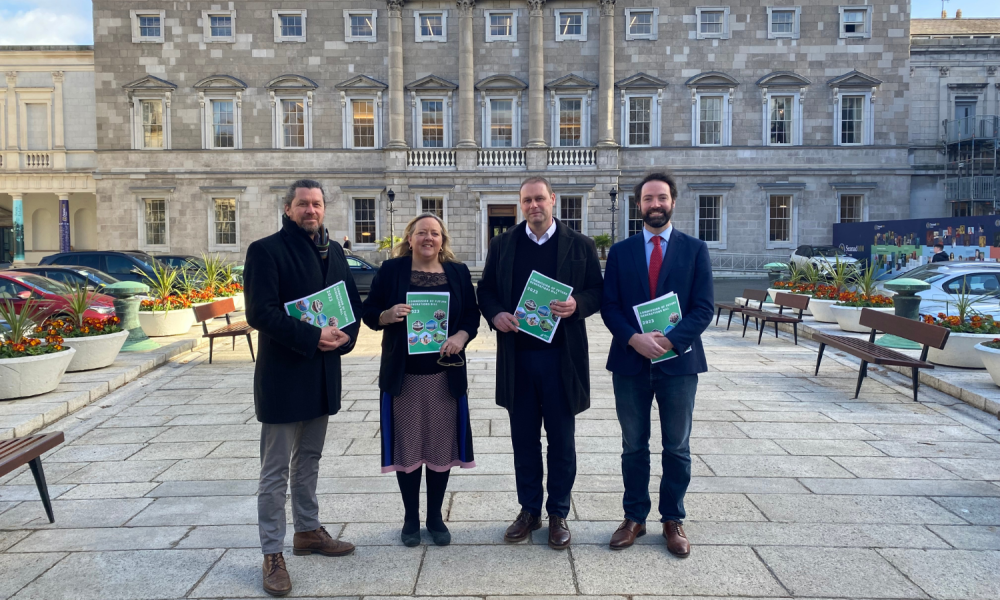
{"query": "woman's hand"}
(455, 343)
(394, 314)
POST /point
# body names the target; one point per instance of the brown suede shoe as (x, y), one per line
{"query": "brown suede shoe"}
(320, 542)
(559, 536)
(677, 542)
(522, 527)
(276, 579)
(626, 534)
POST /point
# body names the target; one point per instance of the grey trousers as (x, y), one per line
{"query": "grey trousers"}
(298, 447)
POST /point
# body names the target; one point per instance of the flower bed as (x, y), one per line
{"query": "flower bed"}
(966, 334)
(97, 342)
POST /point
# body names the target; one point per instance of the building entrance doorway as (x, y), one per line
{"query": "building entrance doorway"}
(500, 218)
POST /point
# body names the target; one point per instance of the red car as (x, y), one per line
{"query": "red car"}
(18, 288)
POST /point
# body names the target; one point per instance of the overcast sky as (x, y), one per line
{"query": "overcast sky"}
(68, 22)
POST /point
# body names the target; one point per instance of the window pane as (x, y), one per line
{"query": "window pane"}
(780, 218)
(710, 121)
(850, 208)
(152, 123)
(502, 25)
(710, 218)
(641, 23)
(639, 121)
(434, 206)
(223, 124)
(149, 26)
(362, 26)
(782, 21)
(634, 217)
(781, 119)
(570, 114)
(854, 21)
(156, 221)
(364, 220)
(430, 26)
(571, 23)
(501, 123)
(364, 123)
(293, 124)
(851, 119)
(222, 26)
(225, 221)
(571, 212)
(291, 25)
(432, 123)
(711, 21)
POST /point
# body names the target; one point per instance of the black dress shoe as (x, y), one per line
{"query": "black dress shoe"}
(559, 536)
(439, 533)
(522, 527)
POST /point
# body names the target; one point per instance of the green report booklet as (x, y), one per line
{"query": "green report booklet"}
(534, 313)
(662, 314)
(427, 323)
(331, 306)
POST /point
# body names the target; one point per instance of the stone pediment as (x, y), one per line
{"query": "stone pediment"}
(362, 83)
(854, 79)
(501, 82)
(569, 83)
(786, 78)
(641, 80)
(291, 82)
(431, 83)
(150, 83)
(712, 79)
(220, 82)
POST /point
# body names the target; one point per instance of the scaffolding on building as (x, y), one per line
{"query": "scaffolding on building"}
(972, 178)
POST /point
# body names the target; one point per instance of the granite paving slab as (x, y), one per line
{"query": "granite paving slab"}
(837, 573)
(950, 575)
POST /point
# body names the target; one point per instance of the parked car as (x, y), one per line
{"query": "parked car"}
(818, 256)
(92, 278)
(363, 273)
(181, 261)
(19, 288)
(949, 279)
(126, 266)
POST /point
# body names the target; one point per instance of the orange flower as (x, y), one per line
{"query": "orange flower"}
(18, 347)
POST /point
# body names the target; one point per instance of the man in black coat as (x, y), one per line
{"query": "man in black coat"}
(297, 377)
(939, 254)
(537, 381)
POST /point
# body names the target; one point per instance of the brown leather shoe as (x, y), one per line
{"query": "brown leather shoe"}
(626, 534)
(320, 542)
(522, 527)
(677, 542)
(559, 536)
(276, 579)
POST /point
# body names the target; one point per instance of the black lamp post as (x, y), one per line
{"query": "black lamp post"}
(614, 209)
(392, 230)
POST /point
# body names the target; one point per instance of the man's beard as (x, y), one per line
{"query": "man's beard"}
(657, 217)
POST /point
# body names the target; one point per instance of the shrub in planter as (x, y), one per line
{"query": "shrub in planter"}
(32, 363)
(848, 308)
(966, 332)
(165, 312)
(97, 341)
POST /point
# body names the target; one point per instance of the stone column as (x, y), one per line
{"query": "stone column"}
(397, 136)
(64, 222)
(57, 108)
(536, 77)
(606, 84)
(18, 229)
(466, 76)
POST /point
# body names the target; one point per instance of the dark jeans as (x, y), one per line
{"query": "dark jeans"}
(634, 402)
(538, 398)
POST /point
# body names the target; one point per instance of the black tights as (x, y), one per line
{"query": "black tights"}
(409, 487)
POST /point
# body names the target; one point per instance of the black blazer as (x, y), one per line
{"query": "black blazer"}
(288, 382)
(389, 288)
(577, 265)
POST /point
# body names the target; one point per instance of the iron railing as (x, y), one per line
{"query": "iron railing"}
(971, 188)
(745, 263)
(969, 128)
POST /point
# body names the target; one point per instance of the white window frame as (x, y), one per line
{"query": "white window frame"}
(654, 32)
(277, 14)
(793, 216)
(864, 204)
(348, 13)
(206, 24)
(487, 120)
(364, 195)
(727, 118)
(418, 35)
(512, 12)
(582, 36)
(723, 210)
(867, 119)
(141, 218)
(584, 98)
(138, 139)
(419, 204)
(654, 118)
(723, 35)
(137, 37)
(584, 213)
(212, 196)
(796, 118)
(796, 29)
(278, 126)
(348, 119)
(867, 34)
(417, 118)
(207, 116)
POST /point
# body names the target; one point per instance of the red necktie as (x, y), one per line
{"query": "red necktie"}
(655, 262)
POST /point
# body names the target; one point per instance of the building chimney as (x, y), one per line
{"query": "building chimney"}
(958, 14)
(944, 14)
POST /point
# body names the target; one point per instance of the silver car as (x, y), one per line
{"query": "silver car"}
(980, 279)
(820, 256)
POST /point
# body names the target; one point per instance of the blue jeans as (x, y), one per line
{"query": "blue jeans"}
(634, 401)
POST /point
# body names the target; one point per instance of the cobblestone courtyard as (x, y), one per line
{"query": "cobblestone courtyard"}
(799, 491)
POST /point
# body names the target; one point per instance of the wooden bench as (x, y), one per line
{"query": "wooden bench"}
(222, 308)
(929, 336)
(758, 296)
(17, 452)
(763, 317)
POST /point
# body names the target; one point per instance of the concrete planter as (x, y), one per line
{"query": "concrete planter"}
(990, 358)
(95, 352)
(240, 302)
(960, 351)
(160, 324)
(33, 375)
(849, 317)
(820, 310)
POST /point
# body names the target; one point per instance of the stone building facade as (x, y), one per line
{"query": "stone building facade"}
(777, 120)
(48, 139)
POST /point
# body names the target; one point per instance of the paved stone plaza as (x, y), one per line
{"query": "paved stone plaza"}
(799, 491)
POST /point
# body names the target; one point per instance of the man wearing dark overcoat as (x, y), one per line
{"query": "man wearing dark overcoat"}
(539, 382)
(297, 377)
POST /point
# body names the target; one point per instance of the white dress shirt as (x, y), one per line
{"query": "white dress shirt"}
(551, 231)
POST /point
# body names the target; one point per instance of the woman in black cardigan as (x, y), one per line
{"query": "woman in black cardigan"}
(424, 403)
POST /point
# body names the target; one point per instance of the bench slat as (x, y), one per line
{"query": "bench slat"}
(870, 352)
(20, 451)
(922, 333)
